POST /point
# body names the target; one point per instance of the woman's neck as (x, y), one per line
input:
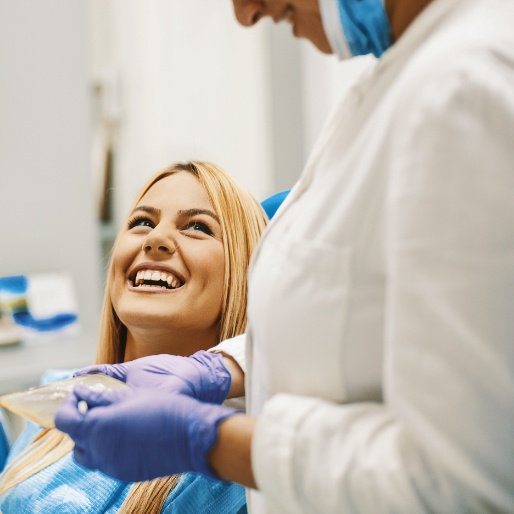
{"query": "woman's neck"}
(142, 343)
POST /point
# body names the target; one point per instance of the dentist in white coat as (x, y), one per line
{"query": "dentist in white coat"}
(380, 354)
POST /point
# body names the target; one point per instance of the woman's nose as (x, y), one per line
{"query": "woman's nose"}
(159, 242)
(148, 247)
(249, 12)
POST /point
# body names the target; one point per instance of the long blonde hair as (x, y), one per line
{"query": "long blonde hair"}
(242, 221)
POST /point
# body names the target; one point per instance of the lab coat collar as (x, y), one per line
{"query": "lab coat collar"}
(427, 21)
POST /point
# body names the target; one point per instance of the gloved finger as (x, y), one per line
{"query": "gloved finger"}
(84, 458)
(97, 368)
(79, 455)
(68, 419)
(118, 371)
(97, 398)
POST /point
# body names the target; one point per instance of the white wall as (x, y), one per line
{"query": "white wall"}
(46, 211)
(192, 84)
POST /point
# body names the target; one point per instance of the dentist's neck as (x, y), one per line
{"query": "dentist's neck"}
(401, 14)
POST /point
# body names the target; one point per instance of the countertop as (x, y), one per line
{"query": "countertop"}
(22, 365)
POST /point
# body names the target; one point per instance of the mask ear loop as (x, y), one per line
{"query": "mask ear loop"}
(333, 29)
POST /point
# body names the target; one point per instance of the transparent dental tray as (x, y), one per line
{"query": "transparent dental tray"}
(39, 404)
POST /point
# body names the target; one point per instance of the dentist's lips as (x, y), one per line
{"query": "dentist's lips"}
(155, 277)
(289, 15)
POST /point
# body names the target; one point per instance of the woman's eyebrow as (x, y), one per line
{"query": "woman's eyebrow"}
(188, 213)
(146, 208)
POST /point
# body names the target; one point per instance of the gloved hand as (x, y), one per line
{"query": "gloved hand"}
(137, 434)
(202, 376)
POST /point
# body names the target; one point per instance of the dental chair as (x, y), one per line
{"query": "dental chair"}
(273, 202)
(5, 434)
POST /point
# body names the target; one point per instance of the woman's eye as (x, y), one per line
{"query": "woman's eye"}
(140, 222)
(198, 226)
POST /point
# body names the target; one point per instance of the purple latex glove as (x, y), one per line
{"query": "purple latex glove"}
(137, 434)
(202, 376)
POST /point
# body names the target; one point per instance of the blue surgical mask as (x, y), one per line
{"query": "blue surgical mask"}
(356, 27)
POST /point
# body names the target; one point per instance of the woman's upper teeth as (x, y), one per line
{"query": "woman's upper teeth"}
(154, 276)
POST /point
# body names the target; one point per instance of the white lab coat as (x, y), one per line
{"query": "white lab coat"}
(380, 350)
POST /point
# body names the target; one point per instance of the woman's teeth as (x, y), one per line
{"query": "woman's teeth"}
(158, 279)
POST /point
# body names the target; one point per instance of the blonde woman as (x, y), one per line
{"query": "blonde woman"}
(176, 285)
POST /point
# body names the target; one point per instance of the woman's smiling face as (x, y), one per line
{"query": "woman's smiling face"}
(168, 264)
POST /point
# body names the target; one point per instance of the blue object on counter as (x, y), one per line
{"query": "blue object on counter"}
(25, 319)
(16, 286)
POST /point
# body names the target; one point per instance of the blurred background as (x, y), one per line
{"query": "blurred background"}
(97, 95)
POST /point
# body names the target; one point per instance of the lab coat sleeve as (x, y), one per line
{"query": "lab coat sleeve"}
(443, 440)
(235, 348)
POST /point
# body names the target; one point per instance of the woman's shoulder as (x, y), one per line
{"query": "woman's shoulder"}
(22, 441)
(194, 491)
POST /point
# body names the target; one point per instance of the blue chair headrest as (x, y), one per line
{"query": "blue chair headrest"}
(273, 202)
